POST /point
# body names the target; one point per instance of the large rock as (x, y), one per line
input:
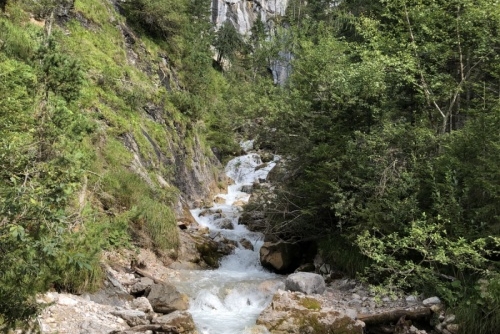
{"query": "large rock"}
(254, 220)
(140, 287)
(165, 298)
(142, 304)
(308, 283)
(132, 317)
(182, 321)
(112, 293)
(245, 243)
(280, 257)
(224, 223)
(296, 313)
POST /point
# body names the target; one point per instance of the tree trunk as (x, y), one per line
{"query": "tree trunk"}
(394, 315)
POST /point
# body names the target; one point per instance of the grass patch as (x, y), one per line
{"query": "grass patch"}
(344, 256)
(310, 303)
(158, 221)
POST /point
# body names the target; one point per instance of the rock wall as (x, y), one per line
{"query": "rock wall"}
(243, 13)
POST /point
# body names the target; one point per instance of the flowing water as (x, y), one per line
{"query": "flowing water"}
(229, 300)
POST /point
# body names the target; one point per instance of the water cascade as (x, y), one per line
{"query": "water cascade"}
(229, 300)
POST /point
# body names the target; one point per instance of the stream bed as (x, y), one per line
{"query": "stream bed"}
(228, 300)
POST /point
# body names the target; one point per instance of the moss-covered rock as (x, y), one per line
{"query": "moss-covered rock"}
(292, 312)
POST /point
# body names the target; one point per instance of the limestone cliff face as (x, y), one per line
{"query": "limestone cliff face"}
(243, 13)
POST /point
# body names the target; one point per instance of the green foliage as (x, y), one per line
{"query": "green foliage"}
(41, 171)
(161, 19)
(479, 313)
(344, 256)
(389, 126)
(310, 303)
(228, 43)
(422, 257)
(158, 221)
(60, 74)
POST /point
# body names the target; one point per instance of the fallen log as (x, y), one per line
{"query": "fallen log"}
(142, 328)
(148, 275)
(419, 314)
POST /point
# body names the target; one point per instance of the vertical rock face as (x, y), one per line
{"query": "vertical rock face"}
(243, 13)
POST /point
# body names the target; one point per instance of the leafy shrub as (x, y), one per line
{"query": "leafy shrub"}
(480, 312)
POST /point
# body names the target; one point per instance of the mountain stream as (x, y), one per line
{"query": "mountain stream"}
(228, 300)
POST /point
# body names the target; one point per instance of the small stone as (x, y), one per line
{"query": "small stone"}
(386, 299)
(449, 318)
(142, 304)
(445, 331)
(413, 329)
(452, 328)
(436, 308)
(247, 188)
(351, 313)
(355, 303)
(411, 299)
(439, 328)
(132, 317)
(355, 296)
(431, 301)
(66, 300)
(245, 243)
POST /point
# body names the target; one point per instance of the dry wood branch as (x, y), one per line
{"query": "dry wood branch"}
(394, 315)
(144, 328)
(425, 86)
(148, 275)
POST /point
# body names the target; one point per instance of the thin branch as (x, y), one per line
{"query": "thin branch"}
(425, 87)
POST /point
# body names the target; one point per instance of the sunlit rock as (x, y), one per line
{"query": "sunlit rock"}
(296, 313)
(165, 298)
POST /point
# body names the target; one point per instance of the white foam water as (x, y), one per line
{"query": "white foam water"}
(228, 300)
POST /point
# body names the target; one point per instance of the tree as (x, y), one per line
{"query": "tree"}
(228, 42)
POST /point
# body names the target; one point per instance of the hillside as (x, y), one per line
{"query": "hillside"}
(116, 117)
(104, 138)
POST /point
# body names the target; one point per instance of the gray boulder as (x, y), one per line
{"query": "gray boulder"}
(142, 284)
(246, 244)
(112, 293)
(308, 283)
(142, 304)
(132, 317)
(182, 321)
(247, 188)
(224, 223)
(165, 298)
(295, 313)
(431, 301)
(280, 257)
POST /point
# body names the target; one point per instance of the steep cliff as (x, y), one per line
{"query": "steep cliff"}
(243, 13)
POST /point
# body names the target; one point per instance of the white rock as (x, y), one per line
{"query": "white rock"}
(411, 299)
(449, 318)
(307, 283)
(66, 300)
(351, 313)
(142, 304)
(431, 301)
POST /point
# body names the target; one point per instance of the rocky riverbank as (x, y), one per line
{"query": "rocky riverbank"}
(140, 295)
(135, 300)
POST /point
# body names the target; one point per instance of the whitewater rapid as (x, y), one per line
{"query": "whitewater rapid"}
(228, 300)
